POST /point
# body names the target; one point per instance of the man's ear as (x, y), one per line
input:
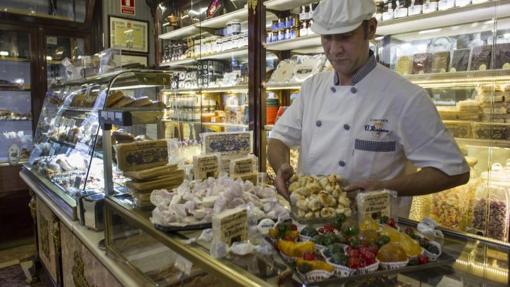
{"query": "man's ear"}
(372, 27)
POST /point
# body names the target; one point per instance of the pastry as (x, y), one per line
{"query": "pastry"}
(502, 56)
(151, 172)
(123, 102)
(440, 62)
(141, 102)
(114, 97)
(422, 63)
(141, 155)
(481, 58)
(167, 182)
(121, 136)
(460, 60)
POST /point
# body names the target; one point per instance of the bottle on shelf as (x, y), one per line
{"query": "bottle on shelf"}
(415, 8)
(445, 4)
(430, 6)
(388, 11)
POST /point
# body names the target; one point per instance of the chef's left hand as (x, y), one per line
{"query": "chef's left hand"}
(364, 185)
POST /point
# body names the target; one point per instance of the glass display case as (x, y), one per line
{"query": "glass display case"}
(68, 155)
(132, 238)
(15, 97)
(58, 50)
(205, 44)
(456, 51)
(68, 10)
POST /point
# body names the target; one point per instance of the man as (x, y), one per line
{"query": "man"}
(364, 122)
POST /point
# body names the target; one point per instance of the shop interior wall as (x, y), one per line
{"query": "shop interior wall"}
(142, 12)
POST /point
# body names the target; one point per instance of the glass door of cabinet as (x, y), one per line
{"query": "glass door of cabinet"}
(15, 97)
(61, 52)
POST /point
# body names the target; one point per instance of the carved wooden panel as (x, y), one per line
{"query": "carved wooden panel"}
(80, 267)
(48, 230)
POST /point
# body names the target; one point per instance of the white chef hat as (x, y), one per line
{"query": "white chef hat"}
(341, 16)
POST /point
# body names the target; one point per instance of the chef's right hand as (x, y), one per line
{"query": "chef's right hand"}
(283, 176)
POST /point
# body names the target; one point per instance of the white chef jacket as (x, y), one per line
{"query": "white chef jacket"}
(368, 130)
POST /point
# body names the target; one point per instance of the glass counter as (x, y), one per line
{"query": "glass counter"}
(130, 236)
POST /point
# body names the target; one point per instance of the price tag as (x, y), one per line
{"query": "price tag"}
(230, 226)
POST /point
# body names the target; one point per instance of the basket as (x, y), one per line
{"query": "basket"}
(317, 275)
(393, 265)
(340, 270)
(430, 255)
(370, 268)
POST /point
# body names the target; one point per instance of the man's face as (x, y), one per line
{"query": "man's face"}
(347, 51)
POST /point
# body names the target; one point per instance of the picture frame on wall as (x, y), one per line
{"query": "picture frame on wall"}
(128, 34)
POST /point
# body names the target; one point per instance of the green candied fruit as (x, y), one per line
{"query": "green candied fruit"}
(328, 253)
(339, 259)
(309, 231)
(336, 248)
(318, 239)
(329, 239)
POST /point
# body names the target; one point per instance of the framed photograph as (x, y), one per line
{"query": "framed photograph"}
(128, 34)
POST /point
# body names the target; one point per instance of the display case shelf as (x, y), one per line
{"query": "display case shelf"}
(214, 23)
(231, 89)
(467, 79)
(422, 22)
(298, 43)
(240, 52)
(283, 5)
(221, 21)
(227, 54)
(226, 125)
(451, 17)
(179, 33)
(435, 80)
(14, 59)
(177, 63)
(15, 88)
(484, 142)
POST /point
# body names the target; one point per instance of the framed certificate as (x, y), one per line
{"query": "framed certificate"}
(128, 34)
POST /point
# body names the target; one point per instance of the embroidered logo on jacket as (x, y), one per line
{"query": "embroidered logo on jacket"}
(377, 126)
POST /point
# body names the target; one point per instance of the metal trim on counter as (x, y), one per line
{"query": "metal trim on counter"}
(91, 239)
(233, 275)
(496, 244)
(62, 200)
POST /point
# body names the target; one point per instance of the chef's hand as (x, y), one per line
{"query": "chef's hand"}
(364, 185)
(359, 186)
(283, 176)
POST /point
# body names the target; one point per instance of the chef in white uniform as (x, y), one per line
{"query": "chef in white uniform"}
(364, 121)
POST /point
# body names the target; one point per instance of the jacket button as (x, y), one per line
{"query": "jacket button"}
(347, 127)
(341, 163)
(333, 89)
(354, 90)
(318, 123)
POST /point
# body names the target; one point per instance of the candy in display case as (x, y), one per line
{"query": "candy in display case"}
(68, 152)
